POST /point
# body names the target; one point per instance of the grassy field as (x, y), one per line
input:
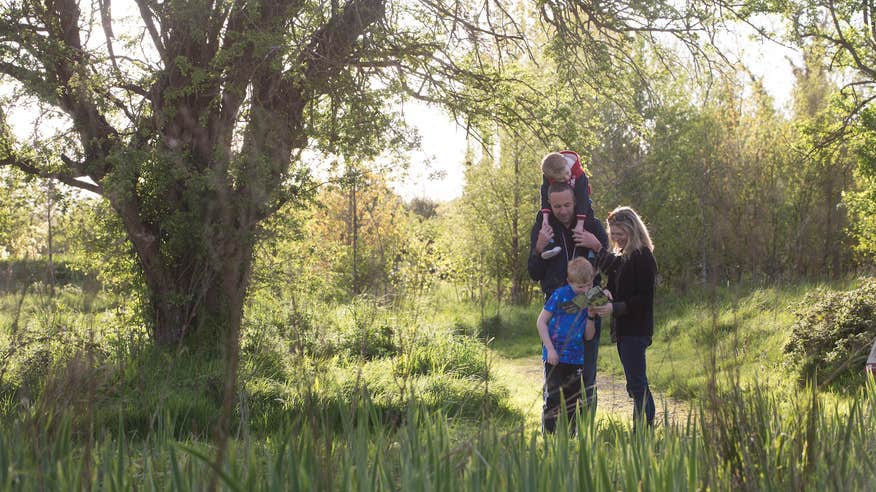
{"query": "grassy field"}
(738, 331)
(428, 394)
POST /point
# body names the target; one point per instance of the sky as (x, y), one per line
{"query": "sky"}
(441, 153)
(443, 142)
(436, 170)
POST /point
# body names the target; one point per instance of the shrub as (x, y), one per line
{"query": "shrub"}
(19, 272)
(453, 354)
(370, 341)
(833, 333)
(285, 327)
(368, 329)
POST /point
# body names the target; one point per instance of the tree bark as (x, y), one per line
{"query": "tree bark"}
(203, 305)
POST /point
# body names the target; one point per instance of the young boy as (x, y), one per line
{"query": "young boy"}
(565, 167)
(563, 328)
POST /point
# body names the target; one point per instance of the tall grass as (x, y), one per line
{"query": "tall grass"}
(743, 440)
(372, 397)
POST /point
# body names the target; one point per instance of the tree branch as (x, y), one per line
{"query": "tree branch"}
(32, 80)
(147, 16)
(846, 45)
(28, 167)
(106, 20)
(331, 44)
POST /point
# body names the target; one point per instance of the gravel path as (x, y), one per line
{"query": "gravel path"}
(524, 375)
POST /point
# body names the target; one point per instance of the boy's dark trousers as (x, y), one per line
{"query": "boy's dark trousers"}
(561, 383)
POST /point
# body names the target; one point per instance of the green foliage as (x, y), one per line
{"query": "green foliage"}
(19, 272)
(862, 223)
(461, 356)
(18, 206)
(316, 401)
(739, 329)
(861, 203)
(759, 442)
(489, 225)
(314, 251)
(833, 334)
(242, 112)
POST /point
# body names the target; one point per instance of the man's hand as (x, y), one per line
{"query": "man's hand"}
(586, 240)
(545, 234)
(553, 358)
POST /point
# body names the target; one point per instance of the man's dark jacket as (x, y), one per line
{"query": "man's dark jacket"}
(551, 274)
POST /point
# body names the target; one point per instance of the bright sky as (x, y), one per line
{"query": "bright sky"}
(443, 142)
(440, 157)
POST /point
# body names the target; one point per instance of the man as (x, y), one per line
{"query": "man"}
(551, 273)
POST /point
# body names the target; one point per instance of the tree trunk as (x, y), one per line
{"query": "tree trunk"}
(50, 272)
(204, 321)
(517, 262)
(355, 225)
(200, 302)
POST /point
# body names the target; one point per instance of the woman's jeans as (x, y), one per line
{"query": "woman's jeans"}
(632, 355)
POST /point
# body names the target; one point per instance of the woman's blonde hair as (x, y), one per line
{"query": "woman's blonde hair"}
(580, 270)
(627, 220)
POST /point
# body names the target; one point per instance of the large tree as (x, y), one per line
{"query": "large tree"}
(189, 117)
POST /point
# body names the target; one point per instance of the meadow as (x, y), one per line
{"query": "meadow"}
(426, 393)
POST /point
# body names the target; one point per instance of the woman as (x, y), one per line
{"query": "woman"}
(631, 284)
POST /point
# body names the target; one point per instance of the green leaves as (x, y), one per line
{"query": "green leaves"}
(833, 334)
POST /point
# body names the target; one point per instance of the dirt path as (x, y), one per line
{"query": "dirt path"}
(523, 377)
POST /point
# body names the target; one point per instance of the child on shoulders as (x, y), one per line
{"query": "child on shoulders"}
(565, 167)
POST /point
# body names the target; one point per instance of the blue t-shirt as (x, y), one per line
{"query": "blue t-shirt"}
(566, 330)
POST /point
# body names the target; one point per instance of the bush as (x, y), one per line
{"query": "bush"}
(833, 333)
(451, 354)
(369, 341)
(368, 329)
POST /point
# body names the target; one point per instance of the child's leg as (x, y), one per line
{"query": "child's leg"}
(579, 223)
(588, 374)
(583, 204)
(594, 226)
(552, 249)
(545, 216)
(543, 194)
(572, 393)
(553, 385)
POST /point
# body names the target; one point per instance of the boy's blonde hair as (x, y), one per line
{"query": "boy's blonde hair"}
(626, 219)
(554, 166)
(580, 270)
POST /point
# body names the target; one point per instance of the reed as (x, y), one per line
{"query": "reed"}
(741, 440)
